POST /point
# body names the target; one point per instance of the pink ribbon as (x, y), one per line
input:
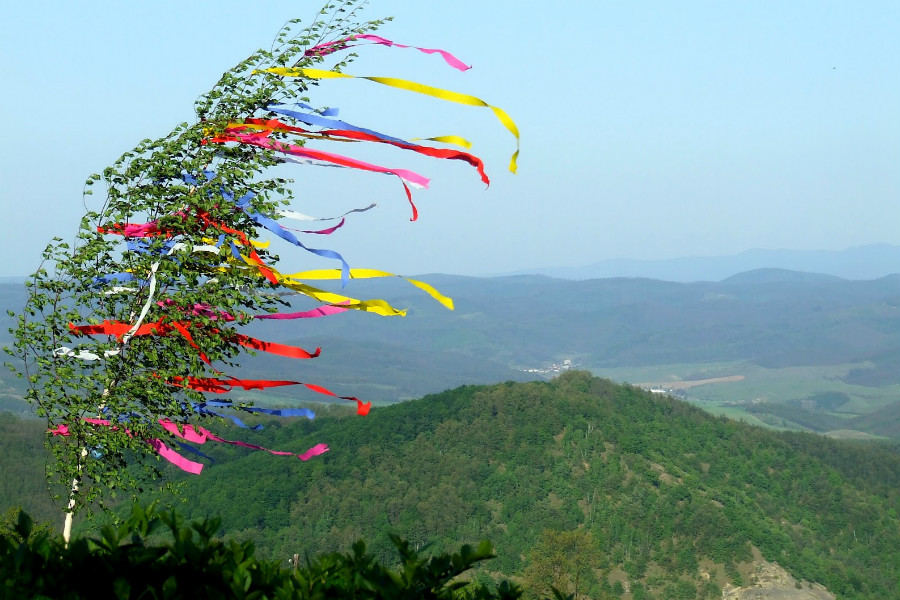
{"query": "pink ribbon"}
(322, 311)
(329, 47)
(176, 459)
(200, 435)
(197, 435)
(263, 142)
(405, 176)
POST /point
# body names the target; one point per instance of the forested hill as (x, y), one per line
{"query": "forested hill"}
(663, 497)
(659, 497)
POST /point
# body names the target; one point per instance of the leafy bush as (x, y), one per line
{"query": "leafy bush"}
(128, 561)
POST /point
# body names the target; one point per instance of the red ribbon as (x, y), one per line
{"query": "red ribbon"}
(223, 386)
(119, 329)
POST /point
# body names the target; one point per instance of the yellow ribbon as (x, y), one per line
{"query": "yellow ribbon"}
(372, 273)
(379, 307)
(255, 243)
(411, 86)
(449, 139)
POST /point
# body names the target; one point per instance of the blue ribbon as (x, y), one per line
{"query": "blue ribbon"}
(328, 123)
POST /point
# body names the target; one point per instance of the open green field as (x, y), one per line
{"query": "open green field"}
(759, 385)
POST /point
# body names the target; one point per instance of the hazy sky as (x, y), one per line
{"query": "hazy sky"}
(649, 129)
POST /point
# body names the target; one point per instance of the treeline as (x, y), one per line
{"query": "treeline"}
(664, 499)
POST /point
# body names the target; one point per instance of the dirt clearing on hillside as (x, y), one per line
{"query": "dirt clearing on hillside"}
(683, 385)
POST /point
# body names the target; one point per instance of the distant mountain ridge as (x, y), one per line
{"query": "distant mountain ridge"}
(871, 261)
(861, 262)
(524, 327)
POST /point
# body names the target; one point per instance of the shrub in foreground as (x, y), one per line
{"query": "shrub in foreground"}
(123, 563)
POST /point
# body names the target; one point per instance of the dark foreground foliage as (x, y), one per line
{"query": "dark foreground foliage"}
(123, 563)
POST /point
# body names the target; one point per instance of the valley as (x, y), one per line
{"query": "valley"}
(789, 336)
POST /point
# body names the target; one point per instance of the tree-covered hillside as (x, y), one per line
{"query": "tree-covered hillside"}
(663, 499)
(661, 493)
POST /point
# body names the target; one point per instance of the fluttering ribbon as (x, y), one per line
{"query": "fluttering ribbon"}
(449, 139)
(132, 229)
(329, 47)
(319, 121)
(277, 229)
(193, 450)
(188, 466)
(200, 435)
(278, 412)
(376, 306)
(326, 231)
(223, 386)
(290, 214)
(411, 86)
(163, 327)
(190, 433)
(356, 133)
(204, 408)
(375, 273)
(322, 311)
(405, 176)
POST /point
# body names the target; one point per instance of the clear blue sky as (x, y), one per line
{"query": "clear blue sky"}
(649, 129)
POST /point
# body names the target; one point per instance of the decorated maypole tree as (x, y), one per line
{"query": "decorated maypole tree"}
(130, 331)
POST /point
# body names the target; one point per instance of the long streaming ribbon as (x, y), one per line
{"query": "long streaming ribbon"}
(278, 412)
(188, 466)
(193, 450)
(405, 176)
(329, 47)
(290, 214)
(198, 435)
(272, 125)
(152, 229)
(326, 231)
(411, 86)
(322, 311)
(374, 273)
(376, 306)
(277, 229)
(223, 386)
(163, 327)
(319, 121)
(408, 177)
(204, 408)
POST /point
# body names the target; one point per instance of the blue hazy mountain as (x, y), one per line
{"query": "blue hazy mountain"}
(862, 262)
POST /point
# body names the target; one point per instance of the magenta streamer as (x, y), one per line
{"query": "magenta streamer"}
(176, 459)
(199, 435)
(329, 47)
(322, 311)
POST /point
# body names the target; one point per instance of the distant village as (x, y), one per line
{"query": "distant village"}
(679, 393)
(565, 365)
